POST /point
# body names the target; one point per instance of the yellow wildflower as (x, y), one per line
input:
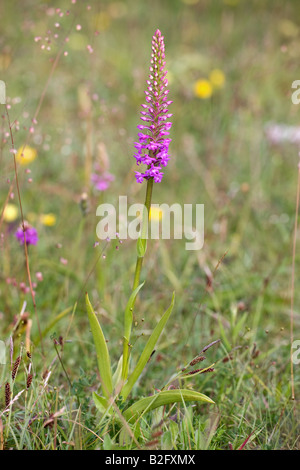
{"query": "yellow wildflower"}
(155, 213)
(203, 89)
(217, 78)
(26, 155)
(11, 212)
(48, 219)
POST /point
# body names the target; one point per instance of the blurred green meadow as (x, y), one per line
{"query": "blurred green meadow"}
(75, 75)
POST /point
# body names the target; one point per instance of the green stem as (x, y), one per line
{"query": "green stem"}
(141, 250)
(146, 218)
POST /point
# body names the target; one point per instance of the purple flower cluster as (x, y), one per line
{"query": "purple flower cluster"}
(153, 146)
(30, 234)
(101, 181)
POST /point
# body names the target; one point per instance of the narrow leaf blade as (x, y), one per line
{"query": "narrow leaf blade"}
(101, 350)
(166, 397)
(127, 329)
(150, 345)
(100, 402)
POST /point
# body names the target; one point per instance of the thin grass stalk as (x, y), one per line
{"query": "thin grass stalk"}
(293, 284)
(23, 227)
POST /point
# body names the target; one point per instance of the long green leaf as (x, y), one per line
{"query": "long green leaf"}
(166, 397)
(128, 318)
(101, 403)
(147, 351)
(101, 351)
(117, 376)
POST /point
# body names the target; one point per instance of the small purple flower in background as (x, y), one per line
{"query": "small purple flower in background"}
(101, 181)
(281, 133)
(101, 177)
(152, 147)
(31, 235)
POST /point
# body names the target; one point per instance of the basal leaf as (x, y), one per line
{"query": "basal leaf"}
(166, 397)
(147, 351)
(128, 316)
(100, 402)
(101, 351)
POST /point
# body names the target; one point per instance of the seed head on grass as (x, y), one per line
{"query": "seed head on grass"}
(196, 360)
(153, 146)
(196, 371)
(15, 367)
(7, 394)
(29, 381)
